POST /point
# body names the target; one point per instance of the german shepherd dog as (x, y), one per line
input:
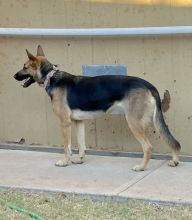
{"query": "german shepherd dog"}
(75, 98)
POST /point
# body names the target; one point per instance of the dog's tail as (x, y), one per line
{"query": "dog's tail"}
(165, 103)
(160, 124)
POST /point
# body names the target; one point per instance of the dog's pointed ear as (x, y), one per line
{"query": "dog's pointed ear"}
(40, 51)
(30, 56)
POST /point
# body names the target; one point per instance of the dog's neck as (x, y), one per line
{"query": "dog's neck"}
(49, 75)
(47, 70)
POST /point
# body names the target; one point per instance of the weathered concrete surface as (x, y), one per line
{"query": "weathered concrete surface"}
(165, 184)
(163, 61)
(99, 175)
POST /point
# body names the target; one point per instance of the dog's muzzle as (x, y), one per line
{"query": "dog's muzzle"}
(26, 79)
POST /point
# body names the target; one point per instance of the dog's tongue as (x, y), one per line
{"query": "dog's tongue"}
(27, 82)
(24, 82)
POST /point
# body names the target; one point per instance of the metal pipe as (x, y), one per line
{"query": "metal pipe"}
(92, 32)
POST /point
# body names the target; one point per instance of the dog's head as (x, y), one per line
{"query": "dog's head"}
(32, 69)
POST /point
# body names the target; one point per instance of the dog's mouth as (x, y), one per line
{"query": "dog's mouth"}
(26, 80)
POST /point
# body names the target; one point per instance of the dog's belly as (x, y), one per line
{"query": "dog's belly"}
(77, 114)
(82, 115)
(117, 108)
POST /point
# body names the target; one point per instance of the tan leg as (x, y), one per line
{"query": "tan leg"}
(80, 126)
(63, 114)
(66, 131)
(139, 133)
(175, 159)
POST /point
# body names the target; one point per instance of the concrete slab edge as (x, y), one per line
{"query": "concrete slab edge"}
(136, 179)
(102, 197)
(37, 148)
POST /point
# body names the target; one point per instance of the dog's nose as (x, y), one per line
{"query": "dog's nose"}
(16, 76)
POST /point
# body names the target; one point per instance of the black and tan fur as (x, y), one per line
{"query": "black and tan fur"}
(75, 98)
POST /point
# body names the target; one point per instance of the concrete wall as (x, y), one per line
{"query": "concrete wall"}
(166, 62)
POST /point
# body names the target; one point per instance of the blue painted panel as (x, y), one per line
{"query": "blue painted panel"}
(98, 70)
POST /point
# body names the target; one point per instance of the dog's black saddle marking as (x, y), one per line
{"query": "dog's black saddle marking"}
(95, 93)
(100, 92)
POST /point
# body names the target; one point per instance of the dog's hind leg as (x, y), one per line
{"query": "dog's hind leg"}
(80, 126)
(139, 108)
(139, 132)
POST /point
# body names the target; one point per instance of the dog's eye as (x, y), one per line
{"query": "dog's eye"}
(33, 65)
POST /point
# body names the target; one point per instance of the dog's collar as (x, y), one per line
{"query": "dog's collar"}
(49, 75)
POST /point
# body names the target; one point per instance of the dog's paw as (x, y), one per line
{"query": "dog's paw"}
(77, 160)
(173, 163)
(62, 163)
(138, 168)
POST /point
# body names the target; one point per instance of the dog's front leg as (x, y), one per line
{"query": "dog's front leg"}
(66, 131)
(80, 126)
(63, 114)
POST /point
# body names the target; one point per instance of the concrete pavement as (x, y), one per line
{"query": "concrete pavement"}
(99, 176)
